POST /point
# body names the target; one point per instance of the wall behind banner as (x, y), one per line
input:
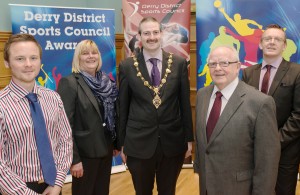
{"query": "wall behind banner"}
(5, 24)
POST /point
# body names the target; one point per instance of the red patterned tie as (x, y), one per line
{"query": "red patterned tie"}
(214, 115)
(265, 81)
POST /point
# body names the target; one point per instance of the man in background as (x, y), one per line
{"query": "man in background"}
(281, 80)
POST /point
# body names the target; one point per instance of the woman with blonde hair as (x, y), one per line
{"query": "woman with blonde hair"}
(89, 98)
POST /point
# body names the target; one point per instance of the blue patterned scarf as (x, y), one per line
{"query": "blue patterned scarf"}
(106, 92)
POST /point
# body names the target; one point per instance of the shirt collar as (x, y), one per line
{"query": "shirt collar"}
(157, 55)
(274, 64)
(18, 92)
(228, 90)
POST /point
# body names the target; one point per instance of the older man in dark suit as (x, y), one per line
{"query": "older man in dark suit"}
(155, 113)
(281, 80)
(237, 143)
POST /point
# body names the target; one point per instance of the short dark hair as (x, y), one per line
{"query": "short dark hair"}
(19, 38)
(149, 19)
(274, 26)
(277, 26)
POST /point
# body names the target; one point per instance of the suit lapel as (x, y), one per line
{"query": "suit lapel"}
(256, 76)
(163, 70)
(204, 110)
(231, 107)
(164, 63)
(88, 92)
(143, 69)
(282, 70)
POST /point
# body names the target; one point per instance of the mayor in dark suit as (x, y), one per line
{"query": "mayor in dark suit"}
(281, 80)
(89, 97)
(155, 113)
(237, 143)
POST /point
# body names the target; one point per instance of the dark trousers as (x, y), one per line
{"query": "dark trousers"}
(287, 179)
(96, 176)
(166, 170)
(38, 188)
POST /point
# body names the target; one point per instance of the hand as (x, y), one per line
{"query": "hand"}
(77, 170)
(116, 152)
(123, 156)
(55, 190)
(189, 150)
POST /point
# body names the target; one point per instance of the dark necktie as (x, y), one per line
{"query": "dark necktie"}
(155, 75)
(265, 81)
(214, 115)
(42, 140)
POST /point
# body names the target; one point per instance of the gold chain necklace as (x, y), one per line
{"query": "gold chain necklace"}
(156, 100)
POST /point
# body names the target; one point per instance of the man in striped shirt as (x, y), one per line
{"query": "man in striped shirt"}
(20, 167)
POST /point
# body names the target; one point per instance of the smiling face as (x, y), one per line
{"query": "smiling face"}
(273, 43)
(223, 76)
(150, 36)
(89, 60)
(24, 62)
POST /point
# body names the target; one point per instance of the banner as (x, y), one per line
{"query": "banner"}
(59, 29)
(174, 16)
(240, 24)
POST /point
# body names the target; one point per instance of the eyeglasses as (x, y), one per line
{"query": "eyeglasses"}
(222, 64)
(269, 39)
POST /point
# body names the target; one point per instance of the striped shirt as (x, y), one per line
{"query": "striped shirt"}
(19, 161)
